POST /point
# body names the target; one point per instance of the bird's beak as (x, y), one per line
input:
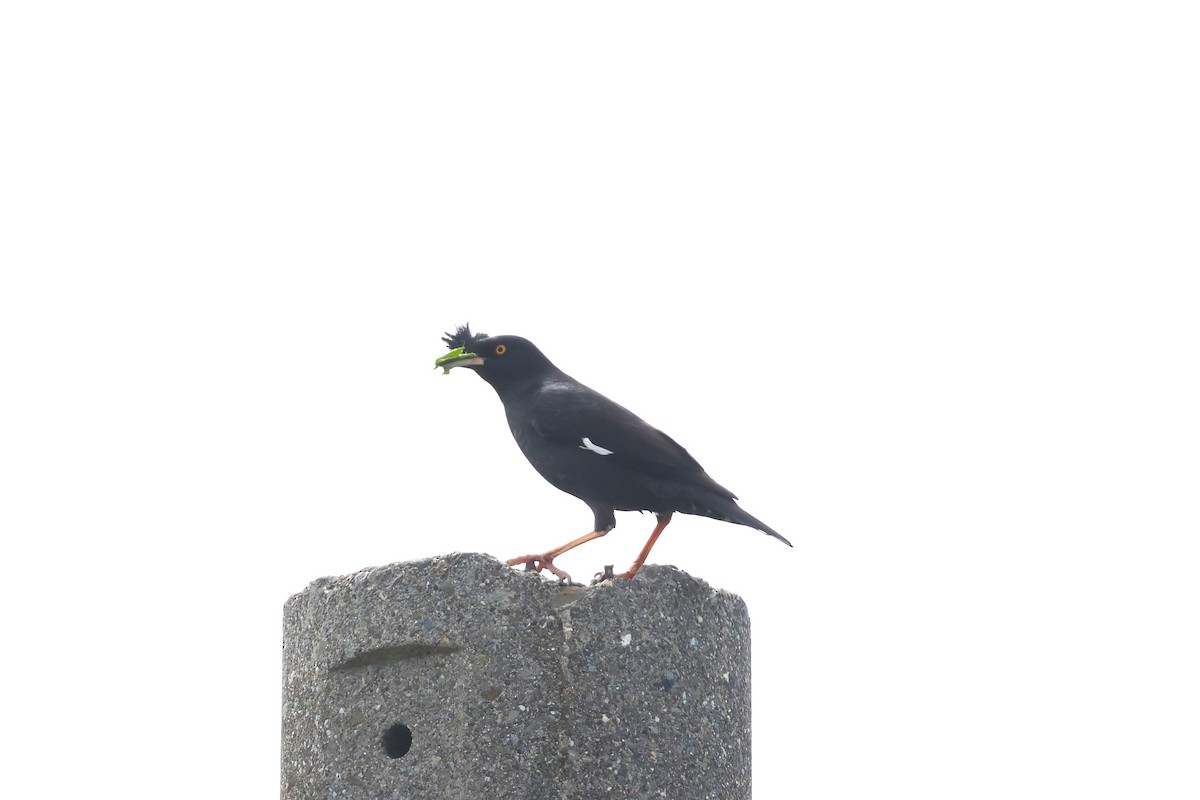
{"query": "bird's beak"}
(457, 358)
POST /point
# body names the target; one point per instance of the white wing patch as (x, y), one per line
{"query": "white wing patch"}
(595, 448)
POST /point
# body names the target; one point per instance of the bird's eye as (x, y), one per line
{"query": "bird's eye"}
(501, 349)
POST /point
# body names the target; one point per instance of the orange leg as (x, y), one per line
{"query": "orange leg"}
(663, 519)
(546, 560)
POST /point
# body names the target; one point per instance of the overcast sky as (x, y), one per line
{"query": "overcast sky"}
(916, 281)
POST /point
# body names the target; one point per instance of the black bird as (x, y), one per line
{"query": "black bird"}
(590, 447)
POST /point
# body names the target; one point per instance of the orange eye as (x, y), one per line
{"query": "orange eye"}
(501, 349)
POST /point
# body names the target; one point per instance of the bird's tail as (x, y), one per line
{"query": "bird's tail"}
(728, 510)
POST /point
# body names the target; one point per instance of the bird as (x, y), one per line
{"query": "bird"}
(589, 446)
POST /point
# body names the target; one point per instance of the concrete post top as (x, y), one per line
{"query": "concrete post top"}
(481, 569)
(458, 676)
(454, 592)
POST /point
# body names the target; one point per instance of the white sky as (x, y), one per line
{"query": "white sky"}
(917, 281)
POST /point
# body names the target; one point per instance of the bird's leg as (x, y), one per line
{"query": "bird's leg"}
(663, 519)
(546, 560)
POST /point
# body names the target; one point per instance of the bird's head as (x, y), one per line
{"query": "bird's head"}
(502, 361)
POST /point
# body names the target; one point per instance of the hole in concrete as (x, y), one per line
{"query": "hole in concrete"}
(396, 740)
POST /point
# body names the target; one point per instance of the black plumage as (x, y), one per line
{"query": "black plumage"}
(590, 447)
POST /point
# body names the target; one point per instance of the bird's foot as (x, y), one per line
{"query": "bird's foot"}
(601, 577)
(539, 563)
(608, 575)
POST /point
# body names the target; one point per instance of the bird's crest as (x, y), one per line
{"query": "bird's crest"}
(463, 338)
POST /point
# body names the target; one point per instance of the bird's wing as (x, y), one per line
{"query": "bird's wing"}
(573, 414)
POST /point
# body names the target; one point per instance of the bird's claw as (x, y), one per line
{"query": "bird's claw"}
(539, 563)
(601, 577)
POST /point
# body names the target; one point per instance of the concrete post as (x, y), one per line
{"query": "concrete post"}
(459, 677)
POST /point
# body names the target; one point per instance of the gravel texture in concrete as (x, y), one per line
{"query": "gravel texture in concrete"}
(459, 677)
